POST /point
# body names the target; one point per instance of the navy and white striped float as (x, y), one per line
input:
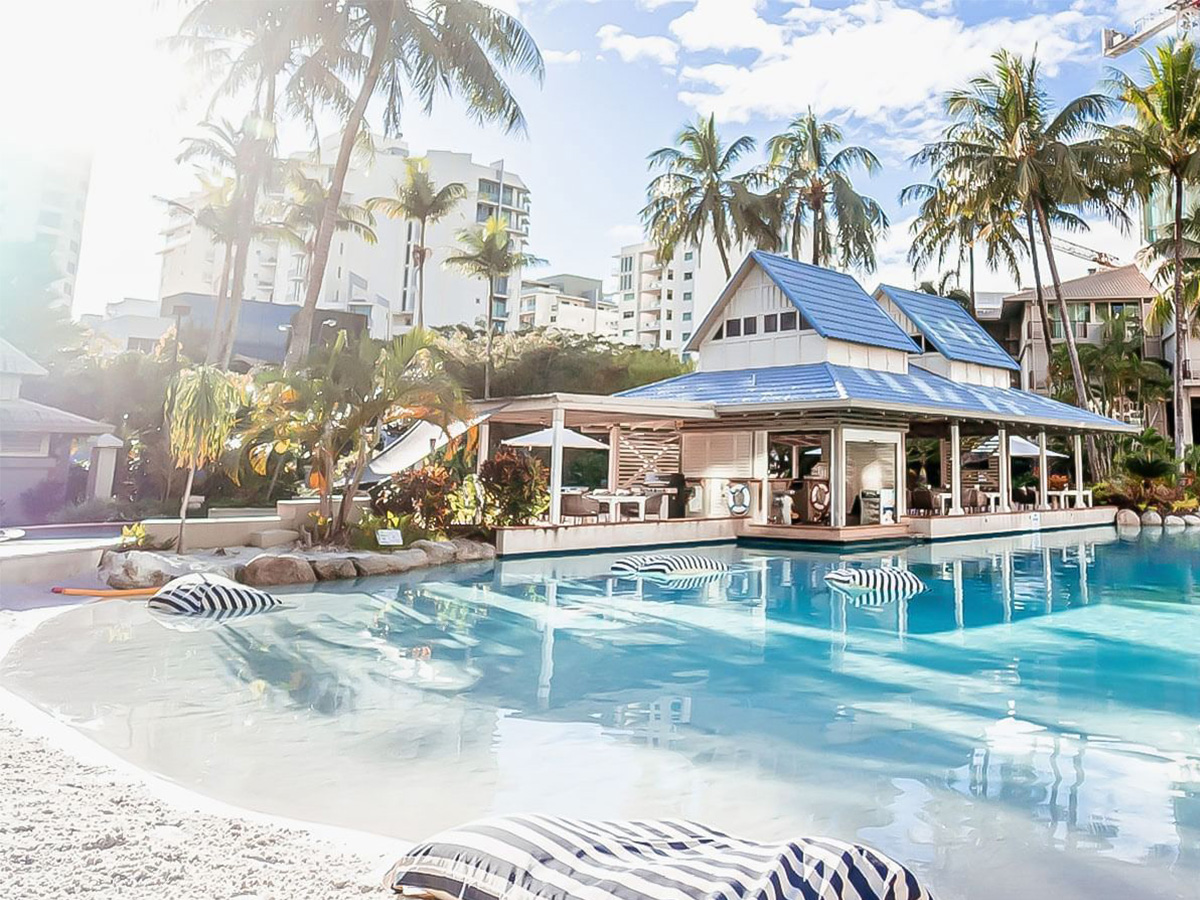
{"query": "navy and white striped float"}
(548, 858)
(669, 566)
(202, 600)
(875, 587)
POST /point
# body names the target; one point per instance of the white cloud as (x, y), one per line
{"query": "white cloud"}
(651, 5)
(561, 57)
(727, 25)
(875, 58)
(632, 48)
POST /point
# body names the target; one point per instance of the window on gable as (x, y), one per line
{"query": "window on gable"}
(750, 325)
(788, 320)
(733, 327)
(720, 333)
(770, 323)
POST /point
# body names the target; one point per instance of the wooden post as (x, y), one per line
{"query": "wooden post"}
(556, 466)
(1043, 473)
(955, 470)
(1005, 470)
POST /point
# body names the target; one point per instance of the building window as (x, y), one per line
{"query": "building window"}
(626, 263)
(720, 333)
(668, 334)
(670, 295)
(629, 298)
(687, 337)
(770, 323)
(670, 315)
(787, 321)
(687, 296)
(670, 274)
(687, 257)
(687, 276)
(733, 327)
(750, 325)
(627, 332)
(687, 317)
(627, 284)
(628, 314)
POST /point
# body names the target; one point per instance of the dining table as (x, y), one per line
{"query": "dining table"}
(615, 501)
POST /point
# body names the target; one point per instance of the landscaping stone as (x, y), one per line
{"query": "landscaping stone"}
(1151, 517)
(439, 552)
(329, 568)
(1174, 522)
(1128, 518)
(274, 537)
(1191, 521)
(269, 569)
(125, 569)
(390, 563)
(473, 550)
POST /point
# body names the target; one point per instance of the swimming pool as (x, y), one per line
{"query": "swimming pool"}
(1028, 727)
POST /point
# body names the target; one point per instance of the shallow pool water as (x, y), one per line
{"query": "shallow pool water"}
(1028, 727)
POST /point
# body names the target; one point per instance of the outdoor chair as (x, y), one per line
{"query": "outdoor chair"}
(656, 506)
(580, 507)
(974, 500)
(920, 502)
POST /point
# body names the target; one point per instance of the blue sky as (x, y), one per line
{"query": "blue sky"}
(622, 76)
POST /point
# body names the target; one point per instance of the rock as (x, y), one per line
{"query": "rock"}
(1151, 517)
(1128, 518)
(473, 550)
(440, 552)
(329, 568)
(1174, 522)
(1191, 521)
(144, 568)
(268, 569)
(390, 563)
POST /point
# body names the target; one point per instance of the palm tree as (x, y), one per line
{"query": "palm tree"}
(695, 192)
(814, 176)
(488, 252)
(1164, 147)
(1008, 142)
(201, 412)
(419, 198)
(420, 47)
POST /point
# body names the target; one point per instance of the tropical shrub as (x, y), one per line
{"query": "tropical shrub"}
(424, 494)
(514, 488)
(361, 534)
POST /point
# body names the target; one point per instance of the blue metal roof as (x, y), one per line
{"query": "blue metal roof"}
(834, 303)
(919, 391)
(950, 328)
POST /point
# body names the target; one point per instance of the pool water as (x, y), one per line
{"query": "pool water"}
(1028, 727)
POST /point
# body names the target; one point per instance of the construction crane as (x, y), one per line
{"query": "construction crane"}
(1183, 14)
(1099, 257)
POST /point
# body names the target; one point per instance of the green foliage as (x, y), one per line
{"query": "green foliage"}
(424, 494)
(362, 534)
(588, 468)
(514, 488)
(135, 535)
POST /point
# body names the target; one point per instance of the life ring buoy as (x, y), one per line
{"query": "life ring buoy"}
(818, 497)
(737, 497)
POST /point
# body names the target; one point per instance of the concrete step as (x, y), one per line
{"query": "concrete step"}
(273, 537)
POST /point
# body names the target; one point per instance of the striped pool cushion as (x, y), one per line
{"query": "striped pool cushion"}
(664, 564)
(548, 858)
(885, 582)
(203, 594)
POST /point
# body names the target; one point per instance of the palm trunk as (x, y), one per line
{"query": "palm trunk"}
(724, 258)
(1043, 312)
(302, 327)
(817, 226)
(351, 490)
(971, 268)
(183, 506)
(421, 281)
(1180, 324)
(487, 362)
(214, 337)
(275, 475)
(797, 231)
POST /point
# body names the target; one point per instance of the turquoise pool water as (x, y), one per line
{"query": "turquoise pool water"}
(1028, 727)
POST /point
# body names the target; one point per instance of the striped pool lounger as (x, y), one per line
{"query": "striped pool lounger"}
(669, 565)
(211, 596)
(893, 582)
(548, 858)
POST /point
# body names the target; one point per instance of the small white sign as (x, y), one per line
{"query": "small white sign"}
(389, 537)
(1035, 520)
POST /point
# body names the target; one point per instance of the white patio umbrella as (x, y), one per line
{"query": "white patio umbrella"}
(1017, 446)
(571, 440)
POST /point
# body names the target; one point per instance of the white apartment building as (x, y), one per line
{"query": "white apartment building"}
(42, 198)
(661, 302)
(375, 280)
(568, 303)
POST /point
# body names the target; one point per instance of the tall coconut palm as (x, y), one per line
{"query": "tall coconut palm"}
(488, 252)
(695, 192)
(814, 174)
(201, 413)
(398, 48)
(1007, 140)
(1163, 144)
(418, 198)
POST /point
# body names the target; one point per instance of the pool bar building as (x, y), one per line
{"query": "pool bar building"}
(797, 422)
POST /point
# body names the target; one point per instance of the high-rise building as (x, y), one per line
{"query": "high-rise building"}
(42, 199)
(568, 303)
(661, 302)
(376, 280)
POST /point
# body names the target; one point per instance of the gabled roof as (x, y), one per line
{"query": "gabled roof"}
(950, 328)
(829, 386)
(14, 362)
(833, 303)
(1124, 283)
(22, 415)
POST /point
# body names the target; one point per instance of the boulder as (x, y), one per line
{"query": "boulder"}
(439, 552)
(1128, 518)
(268, 569)
(1191, 521)
(330, 568)
(473, 550)
(390, 563)
(1151, 517)
(1174, 522)
(125, 569)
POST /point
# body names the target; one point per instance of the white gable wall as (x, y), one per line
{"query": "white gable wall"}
(758, 295)
(965, 372)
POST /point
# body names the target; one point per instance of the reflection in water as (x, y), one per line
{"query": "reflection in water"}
(1031, 720)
